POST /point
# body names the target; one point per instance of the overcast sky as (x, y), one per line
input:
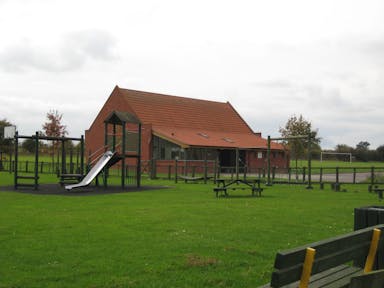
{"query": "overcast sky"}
(270, 59)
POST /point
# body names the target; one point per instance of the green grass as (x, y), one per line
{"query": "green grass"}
(334, 164)
(177, 237)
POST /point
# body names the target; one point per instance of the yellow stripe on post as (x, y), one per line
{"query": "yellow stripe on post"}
(372, 250)
(307, 267)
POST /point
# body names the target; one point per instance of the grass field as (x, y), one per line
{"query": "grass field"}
(181, 236)
(334, 164)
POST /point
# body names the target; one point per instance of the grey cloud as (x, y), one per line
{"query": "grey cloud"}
(277, 83)
(71, 54)
(375, 49)
(95, 44)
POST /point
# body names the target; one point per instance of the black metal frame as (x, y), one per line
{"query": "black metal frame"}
(38, 137)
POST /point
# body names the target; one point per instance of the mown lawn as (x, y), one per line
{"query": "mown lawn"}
(181, 236)
(334, 164)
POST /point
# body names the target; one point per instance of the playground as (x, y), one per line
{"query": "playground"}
(174, 233)
(181, 236)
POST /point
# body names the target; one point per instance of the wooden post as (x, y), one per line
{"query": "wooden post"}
(372, 175)
(307, 267)
(113, 137)
(245, 173)
(63, 158)
(82, 155)
(36, 183)
(138, 173)
(71, 160)
(123, 164)
(16, 157)
(337, 175)
(215, 171)
(105, 143)
(176, 171)
(309, 162)
(289, 175)
(269, 161)
(237, 164)
(105, 135)
(372, 250)
(205, 165)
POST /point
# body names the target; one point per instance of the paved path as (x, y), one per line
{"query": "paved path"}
(343, 177)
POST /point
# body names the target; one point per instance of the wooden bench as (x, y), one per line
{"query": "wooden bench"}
(371, 279)
(222, 187)
(335, 261)
(193, 179)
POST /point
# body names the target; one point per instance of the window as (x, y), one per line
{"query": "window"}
(165, 150)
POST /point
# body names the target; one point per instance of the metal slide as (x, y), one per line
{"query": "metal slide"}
(103, 161)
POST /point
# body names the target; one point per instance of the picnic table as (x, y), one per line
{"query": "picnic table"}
(224, 185)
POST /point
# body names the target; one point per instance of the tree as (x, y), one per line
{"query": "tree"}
(29, 145)
(299, 126)
(362, 152)
(343, 148)
(54, 128)
(380, 152)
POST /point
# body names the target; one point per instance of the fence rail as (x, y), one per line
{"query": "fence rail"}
(211, 169)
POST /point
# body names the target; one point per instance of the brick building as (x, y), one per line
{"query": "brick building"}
(187, 129)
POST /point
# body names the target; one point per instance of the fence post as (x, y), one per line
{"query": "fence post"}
(245, 172)
(372, 175)
(337, 175)
(153, 168)
(321, 175)
(169, 171)
(176, 171)
(205, 169)
(289, 175)
(304, 173)
(214, 171)
(354, 175)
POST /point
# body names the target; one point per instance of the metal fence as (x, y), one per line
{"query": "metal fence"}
(211, 170)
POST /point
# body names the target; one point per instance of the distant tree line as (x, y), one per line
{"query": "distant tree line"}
(297, 125)
(361, 152)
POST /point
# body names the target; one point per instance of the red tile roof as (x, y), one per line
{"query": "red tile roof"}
(192, 122)
(174, 111)
(207, 138)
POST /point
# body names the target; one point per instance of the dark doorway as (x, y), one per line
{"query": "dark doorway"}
(227, 158)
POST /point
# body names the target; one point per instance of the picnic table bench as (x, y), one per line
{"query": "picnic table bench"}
(193, 179)
(379, 192)
(222, 186)
(335, 262)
